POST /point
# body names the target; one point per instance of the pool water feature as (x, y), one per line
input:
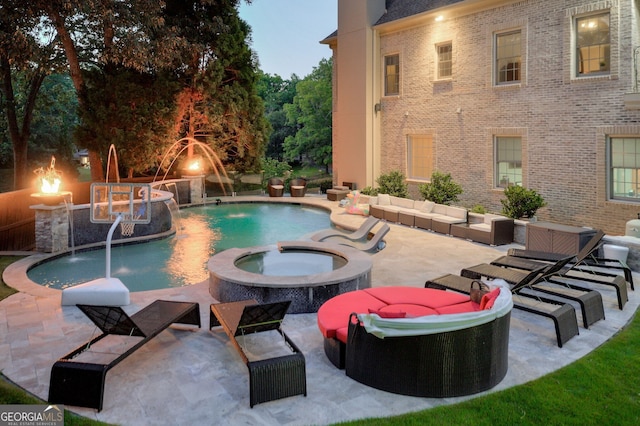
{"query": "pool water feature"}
(290, 263)
(182, 259)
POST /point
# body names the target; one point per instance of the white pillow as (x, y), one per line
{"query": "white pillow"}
(384, 200)
(427, 206)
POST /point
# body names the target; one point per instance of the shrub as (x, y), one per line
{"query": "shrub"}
(393, 184)
(478, 209)
(274, 168)
(521, 202)
(367, 190)
(325, 184)
(441, 190)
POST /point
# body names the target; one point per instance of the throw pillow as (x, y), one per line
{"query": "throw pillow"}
(388, 314)
(489, 299)
(427, 206)
(384, 200)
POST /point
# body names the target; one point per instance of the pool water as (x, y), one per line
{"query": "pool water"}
(182, 259)
(290, 263)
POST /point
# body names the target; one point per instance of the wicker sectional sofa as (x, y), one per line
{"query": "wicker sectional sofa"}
(416, 341)
(421, 214)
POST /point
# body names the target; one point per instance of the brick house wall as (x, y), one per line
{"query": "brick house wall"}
(563, 121)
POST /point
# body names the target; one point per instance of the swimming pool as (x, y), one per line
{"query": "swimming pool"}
(182, 259)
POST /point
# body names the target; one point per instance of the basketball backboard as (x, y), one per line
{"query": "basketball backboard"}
(110, 199)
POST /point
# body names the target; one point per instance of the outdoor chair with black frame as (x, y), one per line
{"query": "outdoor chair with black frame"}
(586, 260)
(590, 301)
(562, 314)
(79, 377)
(269, 378)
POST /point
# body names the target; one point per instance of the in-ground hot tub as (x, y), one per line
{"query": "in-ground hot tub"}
(307, 273)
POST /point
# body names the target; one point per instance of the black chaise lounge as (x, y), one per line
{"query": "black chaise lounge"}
(586, 260)
(78, 377)
(562, 314)
(590, 300)
(271, 378)
(570, 273)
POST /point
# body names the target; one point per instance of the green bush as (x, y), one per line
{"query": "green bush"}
(478, 208)
(325, 184)
(521, 202)
(393, 184)
(275, 168)
(441, 190)
(367, 190)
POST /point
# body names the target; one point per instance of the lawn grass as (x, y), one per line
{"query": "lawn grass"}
(600, 388)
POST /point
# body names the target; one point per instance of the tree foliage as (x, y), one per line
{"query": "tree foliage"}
(276, 93)
(310, 112)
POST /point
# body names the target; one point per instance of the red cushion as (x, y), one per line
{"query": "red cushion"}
(342, 333)
(428, 297)
(382, 313)
(460, 308)
(410, 309)
(334, 313)
(489, 299)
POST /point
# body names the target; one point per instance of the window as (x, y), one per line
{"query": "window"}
(392, 75)
(419, 156)
(508, 161)
(445, 60)
(508, 57)
(593, 45)
(625, 168)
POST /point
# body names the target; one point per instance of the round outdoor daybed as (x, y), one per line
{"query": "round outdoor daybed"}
(418, 342)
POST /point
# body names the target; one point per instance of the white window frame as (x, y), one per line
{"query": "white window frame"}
(443, 61)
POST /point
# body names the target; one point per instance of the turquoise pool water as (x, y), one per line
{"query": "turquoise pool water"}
(182, 260)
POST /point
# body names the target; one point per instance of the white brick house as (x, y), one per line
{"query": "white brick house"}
(532, 93)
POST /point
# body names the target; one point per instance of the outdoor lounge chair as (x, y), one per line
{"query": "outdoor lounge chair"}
(586, 259)
(275, 187)
(569, 273)
(376, 243)
(298, 187)
(590, 301)
(78, 378)
(361, 233)
(562, 314)
(272, 378)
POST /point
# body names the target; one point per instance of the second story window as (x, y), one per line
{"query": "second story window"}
(593, 45)
(392, 75)
(445, 60)
(508, 57)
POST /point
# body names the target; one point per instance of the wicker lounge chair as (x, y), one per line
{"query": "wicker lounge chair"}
(590, 301)
(271, 378)
(376, 243)
(562, 314)
(586, 259)
(78, 378)
(568, 274)
(298, 187)
(275, 187)
(361, 233)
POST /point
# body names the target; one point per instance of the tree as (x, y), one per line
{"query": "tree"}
(311, 113)
(275, 93)
(25, 61)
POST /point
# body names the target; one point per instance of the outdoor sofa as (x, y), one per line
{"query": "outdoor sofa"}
(418, 341)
